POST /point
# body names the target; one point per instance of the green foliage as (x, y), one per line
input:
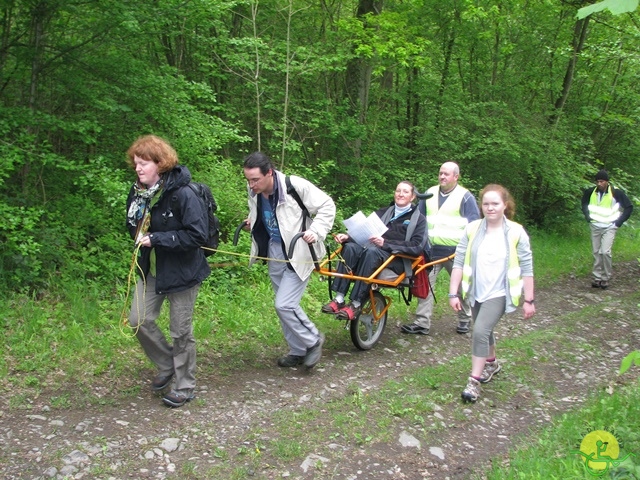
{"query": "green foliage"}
(550, 456)
(20, 263)
(616, 7)
(632, 358)
(353, 98)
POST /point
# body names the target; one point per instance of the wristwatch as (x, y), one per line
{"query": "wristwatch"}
(453, 295)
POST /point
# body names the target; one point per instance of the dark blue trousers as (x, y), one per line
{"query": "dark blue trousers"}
(362, 261)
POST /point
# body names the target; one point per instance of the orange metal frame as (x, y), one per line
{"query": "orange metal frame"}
(376, 282)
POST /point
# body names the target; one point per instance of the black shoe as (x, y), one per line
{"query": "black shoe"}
(463, 326)
(175, 400)
(596, 284)
(161, 382)
(414, 329)
(290, 361)
(314, 353)
(604, 284)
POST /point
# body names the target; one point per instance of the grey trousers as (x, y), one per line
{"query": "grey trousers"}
(179, 357)
(485, 318)
(424, 311)
(299, 332)
(601, 243)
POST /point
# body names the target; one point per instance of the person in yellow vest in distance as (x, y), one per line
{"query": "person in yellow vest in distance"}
(449, 209)
(493, 266)
(606, 209)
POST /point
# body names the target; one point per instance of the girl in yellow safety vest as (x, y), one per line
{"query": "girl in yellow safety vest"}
(494, 264)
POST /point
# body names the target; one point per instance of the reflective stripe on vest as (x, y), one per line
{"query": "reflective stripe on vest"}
(606, 210)
(513, 270)
(446, 225)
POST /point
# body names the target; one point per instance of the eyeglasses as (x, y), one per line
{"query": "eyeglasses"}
(254, 181)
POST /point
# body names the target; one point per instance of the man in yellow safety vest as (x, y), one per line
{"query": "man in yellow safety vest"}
(606, 209)
(448, 210)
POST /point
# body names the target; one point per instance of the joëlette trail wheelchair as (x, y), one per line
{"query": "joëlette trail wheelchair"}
(367, 328)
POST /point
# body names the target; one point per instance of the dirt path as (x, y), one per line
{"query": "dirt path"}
(229, 432)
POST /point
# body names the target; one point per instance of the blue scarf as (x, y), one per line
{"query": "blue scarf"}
(398, 212)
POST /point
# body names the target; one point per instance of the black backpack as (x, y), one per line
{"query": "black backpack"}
(213, 239)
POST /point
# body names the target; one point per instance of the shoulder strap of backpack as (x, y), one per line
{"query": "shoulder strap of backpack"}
(410, 229)
(194, 188)
(386, 216)
(413, 223)
(292, 191)
(305, 213)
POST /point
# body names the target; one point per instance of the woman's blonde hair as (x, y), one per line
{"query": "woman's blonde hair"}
(153, 149)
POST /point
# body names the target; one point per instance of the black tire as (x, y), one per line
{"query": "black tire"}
(365, 330)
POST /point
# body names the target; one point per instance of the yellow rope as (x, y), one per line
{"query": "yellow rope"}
(131, 281)
(124, 320)
(246, 255)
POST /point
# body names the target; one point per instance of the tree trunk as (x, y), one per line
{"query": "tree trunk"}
(358, 79)
(39, 18)
(413, 108)
(448, 52)
(579, 36)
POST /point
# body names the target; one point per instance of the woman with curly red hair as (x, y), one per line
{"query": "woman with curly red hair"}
(494, 265)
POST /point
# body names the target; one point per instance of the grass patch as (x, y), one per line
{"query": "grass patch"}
(550, 455)
(72, 338)
(75, 332)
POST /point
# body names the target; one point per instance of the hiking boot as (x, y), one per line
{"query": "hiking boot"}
(604, 284)
(176, 399)
(489, 370)
(595, 284)
(160, 382)
(463, 326)
(290, 361)
(332, 307)
(349, 312)
(414, 329)
(314, 353)
(471, 391)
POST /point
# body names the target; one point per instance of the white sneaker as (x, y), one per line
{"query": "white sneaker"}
(472, 390)
(489, 370)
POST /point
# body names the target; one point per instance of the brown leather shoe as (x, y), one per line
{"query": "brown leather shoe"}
(414, 329)
(161, 382)
(289, 361)
(175, 400)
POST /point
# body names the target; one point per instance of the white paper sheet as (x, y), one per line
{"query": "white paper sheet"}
(361, 228)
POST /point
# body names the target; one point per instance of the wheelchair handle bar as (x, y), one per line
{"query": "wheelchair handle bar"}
(423, 196)
(236, 235)
(295, 238)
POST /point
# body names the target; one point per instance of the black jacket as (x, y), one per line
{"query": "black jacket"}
(178, 230)
(394, 238)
